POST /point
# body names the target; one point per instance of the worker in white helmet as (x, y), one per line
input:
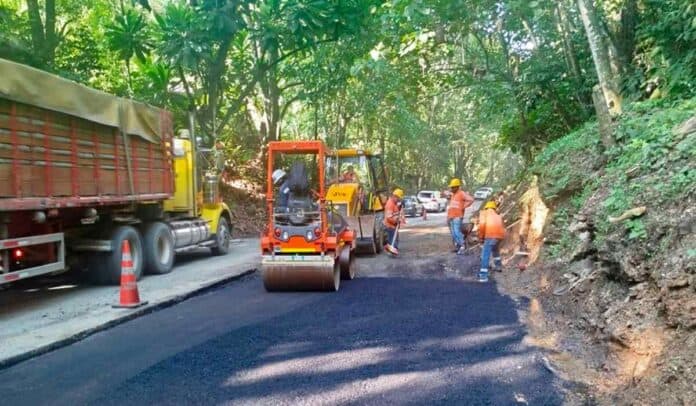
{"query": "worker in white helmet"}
(280, 179)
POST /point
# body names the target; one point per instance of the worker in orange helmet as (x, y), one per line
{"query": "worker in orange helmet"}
(392, 219)
(458, 203)
(491, 231)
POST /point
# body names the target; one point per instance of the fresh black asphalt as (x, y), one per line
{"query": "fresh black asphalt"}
(416, 334)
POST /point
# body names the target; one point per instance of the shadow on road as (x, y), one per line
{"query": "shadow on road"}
(378, 340)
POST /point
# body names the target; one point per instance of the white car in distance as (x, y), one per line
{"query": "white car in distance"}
(483, 193)
(432, 200)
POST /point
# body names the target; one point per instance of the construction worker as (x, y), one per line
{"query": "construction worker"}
(349, 176)
(280, 179)
(459, 201)
(392, 217)
(491, 232)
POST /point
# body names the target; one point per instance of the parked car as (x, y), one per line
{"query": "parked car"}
(432, 200)
(483, 193)
(412, 206)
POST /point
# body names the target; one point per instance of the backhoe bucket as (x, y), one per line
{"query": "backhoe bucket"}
(364, 227)
(300, 273)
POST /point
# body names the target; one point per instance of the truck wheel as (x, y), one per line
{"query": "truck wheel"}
(106, 268)
(223, 237)
(158, 248)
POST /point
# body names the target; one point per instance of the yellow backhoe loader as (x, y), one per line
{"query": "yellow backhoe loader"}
(357, 190)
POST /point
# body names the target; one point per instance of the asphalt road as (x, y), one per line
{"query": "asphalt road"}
(407, 331)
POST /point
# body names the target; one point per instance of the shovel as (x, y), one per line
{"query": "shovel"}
(390, 248)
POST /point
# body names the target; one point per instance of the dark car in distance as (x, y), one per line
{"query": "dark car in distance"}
(412, 206)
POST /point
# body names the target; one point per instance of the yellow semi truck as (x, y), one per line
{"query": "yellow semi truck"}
(357, 190)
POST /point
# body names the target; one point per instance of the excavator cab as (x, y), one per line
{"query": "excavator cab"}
(306, 245)
(357, 188)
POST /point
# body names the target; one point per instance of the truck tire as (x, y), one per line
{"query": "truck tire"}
(106, 268)
(223, 237)
(158, 248)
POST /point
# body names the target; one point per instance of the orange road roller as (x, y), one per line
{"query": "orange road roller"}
(306, 245)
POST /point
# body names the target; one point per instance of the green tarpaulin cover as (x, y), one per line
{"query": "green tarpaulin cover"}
(35, 87)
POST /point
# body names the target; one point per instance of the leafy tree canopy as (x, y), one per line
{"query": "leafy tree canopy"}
(467, 88)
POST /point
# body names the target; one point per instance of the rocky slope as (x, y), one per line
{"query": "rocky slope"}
(610, 237)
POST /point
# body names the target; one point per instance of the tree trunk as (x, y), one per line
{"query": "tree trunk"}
(511, 75)
(316, 122)
(50, 32)
(623, 35)
(129, 77)
(456, 157)
(44, 39)
(37, 30)
(273, 106)
(603, 117)
(608, 82)
(215, 73)
(564, 30)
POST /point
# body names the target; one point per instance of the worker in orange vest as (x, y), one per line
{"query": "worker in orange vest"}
(458, 203)
(392, 218)
(491, 231)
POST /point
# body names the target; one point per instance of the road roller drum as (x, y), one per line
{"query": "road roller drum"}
(301, 272)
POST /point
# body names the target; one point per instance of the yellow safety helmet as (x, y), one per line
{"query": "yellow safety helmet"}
(398, 193)
(455, 182)
(490, 205)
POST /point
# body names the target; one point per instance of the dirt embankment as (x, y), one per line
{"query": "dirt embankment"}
(608, 261)
(243, 189)
(247, 206)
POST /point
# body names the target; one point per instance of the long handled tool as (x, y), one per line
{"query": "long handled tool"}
(390, 248)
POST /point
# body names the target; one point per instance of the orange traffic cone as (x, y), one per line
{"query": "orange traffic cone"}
(129, 297)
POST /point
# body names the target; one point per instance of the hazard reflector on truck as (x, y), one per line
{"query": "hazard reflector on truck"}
(11, 277)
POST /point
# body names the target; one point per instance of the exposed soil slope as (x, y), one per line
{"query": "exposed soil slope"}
(612, 242)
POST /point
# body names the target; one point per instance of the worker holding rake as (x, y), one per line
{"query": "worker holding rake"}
(392, 221)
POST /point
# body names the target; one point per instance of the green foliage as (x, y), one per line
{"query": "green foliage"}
(651, 165)
(128, 35)
(566, 162)
(14, 40)
(473, 89)
(618, 200)
(667, 46)
(181, 36)
(636, 229)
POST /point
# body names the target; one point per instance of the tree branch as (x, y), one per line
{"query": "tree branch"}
(182, 76)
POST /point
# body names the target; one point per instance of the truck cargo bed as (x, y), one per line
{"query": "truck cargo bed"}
(50, 158)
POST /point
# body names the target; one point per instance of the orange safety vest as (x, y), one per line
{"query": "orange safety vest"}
(491, 225)
(390, 211)
(458, 203)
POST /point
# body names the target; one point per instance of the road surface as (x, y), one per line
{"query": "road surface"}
(416, 329)
(41, 313)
